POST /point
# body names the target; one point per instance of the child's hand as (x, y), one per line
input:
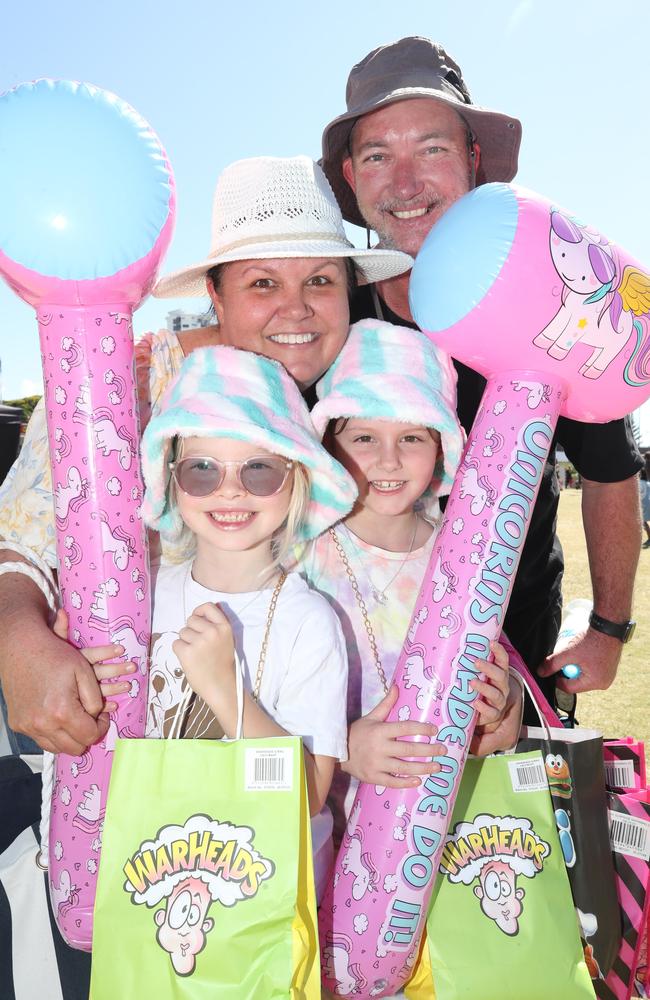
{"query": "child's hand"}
(499, 706)
(376, 751)
(206, 650)
(100, 659)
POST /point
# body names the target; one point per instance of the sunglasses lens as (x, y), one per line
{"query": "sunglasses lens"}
(263, 476)
(198, 477)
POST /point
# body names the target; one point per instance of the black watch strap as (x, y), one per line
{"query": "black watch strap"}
(618, 630)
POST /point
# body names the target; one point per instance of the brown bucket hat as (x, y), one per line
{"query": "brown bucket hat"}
(416, 67)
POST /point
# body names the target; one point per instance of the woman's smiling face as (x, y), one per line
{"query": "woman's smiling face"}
(294, 310)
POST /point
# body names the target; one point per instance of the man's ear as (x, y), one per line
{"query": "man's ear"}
(208, 924)
(478, 892)
(476, 159)
(159, 917)
(348, 172)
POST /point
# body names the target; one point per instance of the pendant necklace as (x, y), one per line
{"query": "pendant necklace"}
(379, 595)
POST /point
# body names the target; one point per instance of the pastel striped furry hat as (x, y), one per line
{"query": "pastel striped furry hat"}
(387, 372)
(225, 392)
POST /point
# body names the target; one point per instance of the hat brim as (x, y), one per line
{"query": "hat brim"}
(332, 491)
(498, 135)
(338, 406)
(371, 265)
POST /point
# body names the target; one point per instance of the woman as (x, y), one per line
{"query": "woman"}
(278, 274)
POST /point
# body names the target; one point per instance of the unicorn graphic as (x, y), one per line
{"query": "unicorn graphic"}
(538, 392)
(600, 307)
(108, 438)
(69, 497)
(359, 863)
(444, 580)
(337, 966)
(117, 542)
(477, 487)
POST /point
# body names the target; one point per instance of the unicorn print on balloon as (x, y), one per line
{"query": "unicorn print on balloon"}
(600, 307)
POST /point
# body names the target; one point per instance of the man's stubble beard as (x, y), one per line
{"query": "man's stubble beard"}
(388, 242)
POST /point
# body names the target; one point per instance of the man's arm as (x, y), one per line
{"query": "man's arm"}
(51, 692)
(612, 525)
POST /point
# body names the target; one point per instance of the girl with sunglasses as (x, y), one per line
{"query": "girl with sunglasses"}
(235, 475)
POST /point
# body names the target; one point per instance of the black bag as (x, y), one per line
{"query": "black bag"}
(574, 766)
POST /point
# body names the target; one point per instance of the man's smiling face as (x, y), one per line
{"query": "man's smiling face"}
(409, 162)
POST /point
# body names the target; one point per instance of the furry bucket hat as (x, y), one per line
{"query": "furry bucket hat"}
(387, 372)
(225, 392)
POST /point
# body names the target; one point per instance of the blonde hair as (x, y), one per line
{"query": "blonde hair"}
(285, 537)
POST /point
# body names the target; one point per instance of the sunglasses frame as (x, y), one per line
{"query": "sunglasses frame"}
(223, 466)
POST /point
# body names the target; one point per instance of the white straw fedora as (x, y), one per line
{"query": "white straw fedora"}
(269, 207)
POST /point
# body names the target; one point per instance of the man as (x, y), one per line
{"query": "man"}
(410, 144)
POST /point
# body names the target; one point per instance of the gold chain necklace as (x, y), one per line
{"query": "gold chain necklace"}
(265, 641)
(362, 608)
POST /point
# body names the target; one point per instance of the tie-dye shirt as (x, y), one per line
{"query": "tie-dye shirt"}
(374, 568)
(26, 505)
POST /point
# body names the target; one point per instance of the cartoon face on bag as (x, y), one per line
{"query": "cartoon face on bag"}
(496, 852)
(558, 774)
(500, 898)
(184, 871)
(183, 924)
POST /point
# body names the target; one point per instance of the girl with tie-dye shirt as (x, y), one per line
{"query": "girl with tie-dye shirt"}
(386, 411)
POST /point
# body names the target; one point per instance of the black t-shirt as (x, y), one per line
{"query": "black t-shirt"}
(605, 453)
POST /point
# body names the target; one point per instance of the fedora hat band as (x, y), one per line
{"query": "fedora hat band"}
(282, 237)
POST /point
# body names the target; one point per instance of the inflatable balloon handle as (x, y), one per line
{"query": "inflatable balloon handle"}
(87, 208)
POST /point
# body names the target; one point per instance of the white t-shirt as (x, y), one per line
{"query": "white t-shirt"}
(304, 683)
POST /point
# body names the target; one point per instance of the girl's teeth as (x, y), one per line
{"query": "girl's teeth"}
(385, 484)
(293, 338)
(231, 518)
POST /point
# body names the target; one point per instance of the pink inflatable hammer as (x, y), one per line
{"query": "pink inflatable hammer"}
(556, 318)
(520, 283)
(86, 215)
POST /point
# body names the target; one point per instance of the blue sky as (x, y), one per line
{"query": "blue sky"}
(222, 80)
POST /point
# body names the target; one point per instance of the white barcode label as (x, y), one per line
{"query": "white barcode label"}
(269, 769)
(527, 775)
(629, 835)
(619, 773)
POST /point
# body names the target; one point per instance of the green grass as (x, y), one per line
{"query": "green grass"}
(622, 710)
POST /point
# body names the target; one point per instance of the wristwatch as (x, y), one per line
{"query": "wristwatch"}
(618, 630)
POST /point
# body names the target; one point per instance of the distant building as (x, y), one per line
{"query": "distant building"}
(178, 320)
